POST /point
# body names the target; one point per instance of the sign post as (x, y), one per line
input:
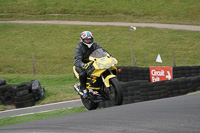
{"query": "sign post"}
(161, 73)
(131, 29)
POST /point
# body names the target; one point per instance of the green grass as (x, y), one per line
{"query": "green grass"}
(38, 116)
(2, 108)
(53, 46)
(152, 11)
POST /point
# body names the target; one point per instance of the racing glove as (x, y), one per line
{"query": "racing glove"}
(85, 66)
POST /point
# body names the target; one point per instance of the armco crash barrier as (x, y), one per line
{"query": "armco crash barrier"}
(136, 85)
(21, 95)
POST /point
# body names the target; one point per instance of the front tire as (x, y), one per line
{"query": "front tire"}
(89, 104)
(116, 95)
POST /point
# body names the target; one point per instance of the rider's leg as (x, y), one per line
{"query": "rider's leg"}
(83, 79)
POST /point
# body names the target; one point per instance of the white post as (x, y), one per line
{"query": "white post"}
(33, 64)
(131, 29)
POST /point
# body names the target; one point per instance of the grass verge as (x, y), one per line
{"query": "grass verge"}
(53, 46)
(2, 108)
(38, 116)
(157, 11)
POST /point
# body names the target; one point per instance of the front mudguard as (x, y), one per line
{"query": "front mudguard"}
(107, 80)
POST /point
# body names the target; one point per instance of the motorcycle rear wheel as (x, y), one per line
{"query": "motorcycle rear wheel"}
(89, 104)
(116, 95)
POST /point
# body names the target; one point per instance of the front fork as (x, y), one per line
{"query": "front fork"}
(106, 80)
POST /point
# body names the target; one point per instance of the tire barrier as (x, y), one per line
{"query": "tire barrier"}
(6, 94)
(135, 89)
(21, 95)
(186, 71)
(37, 90)
(142, 73)
(133, 73)
(2, 82)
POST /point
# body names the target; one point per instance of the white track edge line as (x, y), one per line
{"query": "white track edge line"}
(40, 106)
(38, 112)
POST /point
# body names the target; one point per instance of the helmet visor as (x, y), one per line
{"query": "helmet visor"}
(88, 41)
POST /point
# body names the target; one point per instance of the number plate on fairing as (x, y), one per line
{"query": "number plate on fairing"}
(103, 59)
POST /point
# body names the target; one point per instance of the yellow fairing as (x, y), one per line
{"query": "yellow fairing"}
(107, 82)
(94, 88)
(92, 84)
(98, 72)
(114, 68)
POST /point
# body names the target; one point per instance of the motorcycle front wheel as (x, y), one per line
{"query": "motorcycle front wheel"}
(89, 104)
(115, 95)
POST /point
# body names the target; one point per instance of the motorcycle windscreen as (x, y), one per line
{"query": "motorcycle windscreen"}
(98, 53)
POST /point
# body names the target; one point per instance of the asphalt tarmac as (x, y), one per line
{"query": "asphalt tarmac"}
(170, 115)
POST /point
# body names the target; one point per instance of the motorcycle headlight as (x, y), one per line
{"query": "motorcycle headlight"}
(107, 66)
(103, 66)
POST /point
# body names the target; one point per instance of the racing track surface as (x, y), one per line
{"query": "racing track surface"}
(174, 115)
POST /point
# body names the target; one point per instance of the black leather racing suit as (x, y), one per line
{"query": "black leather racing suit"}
(82, 53)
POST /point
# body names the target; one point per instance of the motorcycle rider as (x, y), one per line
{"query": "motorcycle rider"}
(82, 52)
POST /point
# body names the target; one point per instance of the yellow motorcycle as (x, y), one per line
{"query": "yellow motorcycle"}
(102, 83)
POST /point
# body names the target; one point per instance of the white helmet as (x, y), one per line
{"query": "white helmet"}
(86, 35)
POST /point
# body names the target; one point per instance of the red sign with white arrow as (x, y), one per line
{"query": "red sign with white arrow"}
(160, 73)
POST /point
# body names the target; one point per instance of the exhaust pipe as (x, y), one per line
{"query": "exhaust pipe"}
(76, 88)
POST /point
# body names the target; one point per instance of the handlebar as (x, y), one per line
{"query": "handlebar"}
(90, 64)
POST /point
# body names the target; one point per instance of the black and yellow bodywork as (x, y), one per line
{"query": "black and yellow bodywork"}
(100, 72)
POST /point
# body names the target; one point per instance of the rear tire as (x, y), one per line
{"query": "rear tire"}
(116, 95)
(89, 104)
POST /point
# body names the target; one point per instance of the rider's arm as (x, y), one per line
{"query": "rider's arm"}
(78, 57)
